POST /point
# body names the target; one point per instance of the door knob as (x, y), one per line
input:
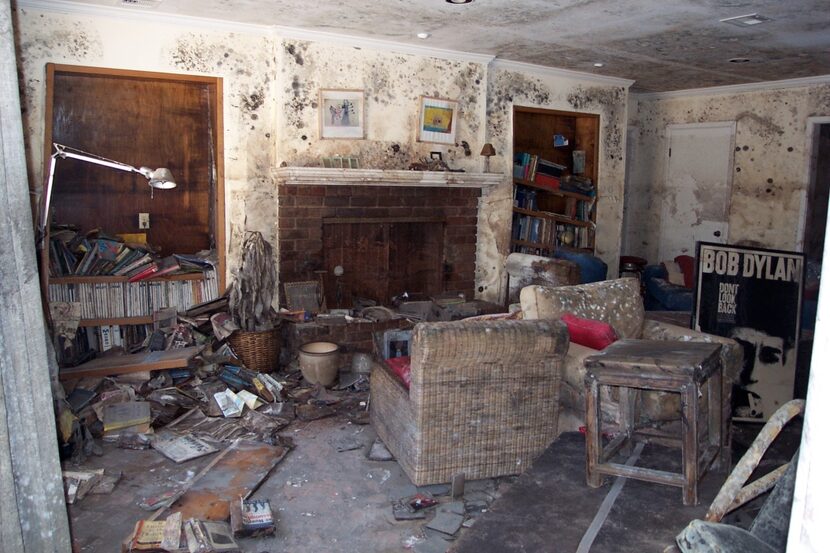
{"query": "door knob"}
(717, 233)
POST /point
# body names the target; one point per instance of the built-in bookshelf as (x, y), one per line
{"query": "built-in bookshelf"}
(126, 116)
(555, 181)
(113, 300)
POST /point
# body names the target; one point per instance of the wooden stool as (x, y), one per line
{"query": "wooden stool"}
(671, 366)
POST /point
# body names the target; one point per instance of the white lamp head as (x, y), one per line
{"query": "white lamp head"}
(161, 178)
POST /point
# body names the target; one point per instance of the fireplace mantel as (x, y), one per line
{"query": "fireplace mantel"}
(381, 177)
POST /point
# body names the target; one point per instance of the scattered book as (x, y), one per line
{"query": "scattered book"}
(252, 518)
(205, 535)
(182, 448)
(126, 414)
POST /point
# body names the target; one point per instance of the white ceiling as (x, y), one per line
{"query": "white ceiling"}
(662, 44)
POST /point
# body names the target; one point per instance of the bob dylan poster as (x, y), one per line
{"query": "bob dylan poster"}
(753, 296)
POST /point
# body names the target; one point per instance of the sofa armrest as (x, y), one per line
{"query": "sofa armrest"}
(731, 352)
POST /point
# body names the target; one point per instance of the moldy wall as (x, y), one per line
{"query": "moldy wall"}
(769, 176)
(271, 94)
(508, 87)
(243, 60)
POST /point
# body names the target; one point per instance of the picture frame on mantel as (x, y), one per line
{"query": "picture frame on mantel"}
(342, 113)
(438, 120)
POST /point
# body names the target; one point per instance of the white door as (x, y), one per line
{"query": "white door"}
(695, 200)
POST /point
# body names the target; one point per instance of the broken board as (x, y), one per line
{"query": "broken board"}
(237, 471)
(132, 363)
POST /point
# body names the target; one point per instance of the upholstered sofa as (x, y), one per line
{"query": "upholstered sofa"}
(483, 399)
(618, 303)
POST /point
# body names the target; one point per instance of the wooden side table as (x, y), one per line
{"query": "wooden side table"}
(671, 366)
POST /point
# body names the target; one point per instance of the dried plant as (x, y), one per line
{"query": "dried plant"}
(253, 290)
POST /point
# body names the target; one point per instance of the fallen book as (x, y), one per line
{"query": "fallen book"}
(182, 448)
(209, 536)
(251, 518)
(126, 414)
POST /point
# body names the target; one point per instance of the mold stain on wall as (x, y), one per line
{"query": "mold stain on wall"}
(393, 85)
(507, 89)
(768, 175)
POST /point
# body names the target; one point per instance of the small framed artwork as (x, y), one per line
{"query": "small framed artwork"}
(438, 122)
(341, 113)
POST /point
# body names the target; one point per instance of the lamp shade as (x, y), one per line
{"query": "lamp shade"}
(162, 179)
(488, 150)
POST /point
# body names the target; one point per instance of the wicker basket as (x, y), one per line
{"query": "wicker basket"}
(259, 351)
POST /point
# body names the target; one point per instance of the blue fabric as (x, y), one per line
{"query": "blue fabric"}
(591, 268)
(661, 295)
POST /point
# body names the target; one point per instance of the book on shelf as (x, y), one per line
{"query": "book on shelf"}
(536, 169)
(145, 271)
(137, 263)
(166, 266)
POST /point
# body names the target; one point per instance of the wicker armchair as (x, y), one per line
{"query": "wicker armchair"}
(484, 398)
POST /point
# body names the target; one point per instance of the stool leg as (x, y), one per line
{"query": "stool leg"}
(715, 418)
(689, 451)
(627, 399)
(592, 437)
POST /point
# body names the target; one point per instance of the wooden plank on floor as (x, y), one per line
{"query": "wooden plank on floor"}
(132, 363)
(236, 472)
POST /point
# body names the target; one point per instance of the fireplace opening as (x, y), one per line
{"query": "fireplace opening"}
(381, 259)
(387, 239)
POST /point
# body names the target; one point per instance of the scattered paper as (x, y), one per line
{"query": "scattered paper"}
(252, 401)
(230, 404)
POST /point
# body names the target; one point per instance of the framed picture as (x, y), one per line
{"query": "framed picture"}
(341, 113)
(439, 120)
(753, 296)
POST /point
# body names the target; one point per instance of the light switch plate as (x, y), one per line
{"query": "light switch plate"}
(143, 220)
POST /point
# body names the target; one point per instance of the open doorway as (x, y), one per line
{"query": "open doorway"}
(814, 220)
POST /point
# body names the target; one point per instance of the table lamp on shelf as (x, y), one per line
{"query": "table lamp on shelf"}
(487, 151)
(161, 178)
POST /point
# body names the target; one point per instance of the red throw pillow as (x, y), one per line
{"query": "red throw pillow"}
(402, 369)
(687, 265)
(588, 332)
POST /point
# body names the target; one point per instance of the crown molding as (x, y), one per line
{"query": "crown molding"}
(380, 44)
(733, 88)
(541, 70)
(142, 14)
(277, 31)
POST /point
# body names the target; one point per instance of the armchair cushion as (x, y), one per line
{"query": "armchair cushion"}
(402, 367)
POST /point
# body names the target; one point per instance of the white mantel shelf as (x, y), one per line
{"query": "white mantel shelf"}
(381, 177)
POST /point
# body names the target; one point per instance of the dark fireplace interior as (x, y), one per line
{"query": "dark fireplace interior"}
(382, 259)
(387, 239)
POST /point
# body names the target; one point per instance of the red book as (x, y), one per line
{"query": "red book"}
(167, 265)
(148, 272)
(547, 181)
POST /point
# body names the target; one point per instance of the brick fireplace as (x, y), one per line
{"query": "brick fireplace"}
(390, 231)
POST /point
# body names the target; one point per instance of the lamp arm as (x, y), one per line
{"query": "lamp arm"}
(62, 153)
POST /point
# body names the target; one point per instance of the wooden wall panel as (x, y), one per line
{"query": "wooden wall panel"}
(149, 119)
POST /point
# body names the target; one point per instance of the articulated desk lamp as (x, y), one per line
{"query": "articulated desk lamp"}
(160, 178)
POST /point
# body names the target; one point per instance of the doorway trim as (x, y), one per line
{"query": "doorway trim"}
(811, 151)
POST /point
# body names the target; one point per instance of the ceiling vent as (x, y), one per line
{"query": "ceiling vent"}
(749, 20)
(139, 3)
